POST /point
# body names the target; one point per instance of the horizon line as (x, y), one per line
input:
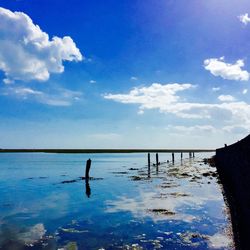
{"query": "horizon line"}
(98, 150)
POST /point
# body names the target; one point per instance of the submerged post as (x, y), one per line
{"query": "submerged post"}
(173, 157)
(181, 155)
(193, 154)
(190, 154)
(88, 165)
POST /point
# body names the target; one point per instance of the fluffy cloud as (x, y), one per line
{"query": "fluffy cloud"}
(244, 18)
(226, 98)
(56, 97)
(160, 96)
(244, 91)
(156, 96)
(164, 98)
(27, 53)
(218, 67)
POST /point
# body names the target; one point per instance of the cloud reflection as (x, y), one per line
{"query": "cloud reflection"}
(146, 202)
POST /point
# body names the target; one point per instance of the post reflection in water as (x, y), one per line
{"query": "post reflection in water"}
(87, 188)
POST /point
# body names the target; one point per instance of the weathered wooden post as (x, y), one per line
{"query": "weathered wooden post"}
(157, 162)
(190, 154)
(88, 165)
(173, 157)
(193, 154)
(157, 159)
(181, 155)
(148, 165)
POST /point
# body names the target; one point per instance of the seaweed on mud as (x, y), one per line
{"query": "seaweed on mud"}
(133, 169)
(81, 178)
(68, 181)
(209, 174)
(169, 185)
(161, 211)
(138, 178)
(192, 239)
(177, 194)
(174, 194)
(120, 172)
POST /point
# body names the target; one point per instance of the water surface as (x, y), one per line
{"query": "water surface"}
(45, 205)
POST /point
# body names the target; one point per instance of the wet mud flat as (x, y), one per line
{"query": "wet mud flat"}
(126, 206)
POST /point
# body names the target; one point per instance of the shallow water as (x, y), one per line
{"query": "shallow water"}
(45, 205)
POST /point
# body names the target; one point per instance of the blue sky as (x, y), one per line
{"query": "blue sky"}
(124, 74)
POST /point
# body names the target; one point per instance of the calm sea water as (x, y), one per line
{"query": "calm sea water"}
(45, 205)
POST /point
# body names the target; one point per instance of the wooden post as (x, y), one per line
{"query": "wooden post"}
(173, 157)
(181, 155)
(157, 162)
(193, 154)
(88, 165)
(148, 165)
(157, 159)
(190, 154)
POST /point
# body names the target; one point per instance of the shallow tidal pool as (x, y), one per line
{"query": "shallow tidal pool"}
(46, 205)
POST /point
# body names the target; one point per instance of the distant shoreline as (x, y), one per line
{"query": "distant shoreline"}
(102, 151)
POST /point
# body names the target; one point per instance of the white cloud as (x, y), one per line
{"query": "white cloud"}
(244, 91)
(56, 97)
(159, 96)
(218, 67)
(92, 81)
(156, 96)
(226, 98)
(244, 18)
(133, 78)
(215, 89)
(27, 53)
(165, 99)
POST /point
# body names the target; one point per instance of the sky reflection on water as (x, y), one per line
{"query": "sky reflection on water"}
(179, 207)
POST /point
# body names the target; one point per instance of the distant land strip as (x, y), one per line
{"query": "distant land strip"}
(103, 151)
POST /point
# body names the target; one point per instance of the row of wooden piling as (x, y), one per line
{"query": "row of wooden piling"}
(88, 163)
(191, 155)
